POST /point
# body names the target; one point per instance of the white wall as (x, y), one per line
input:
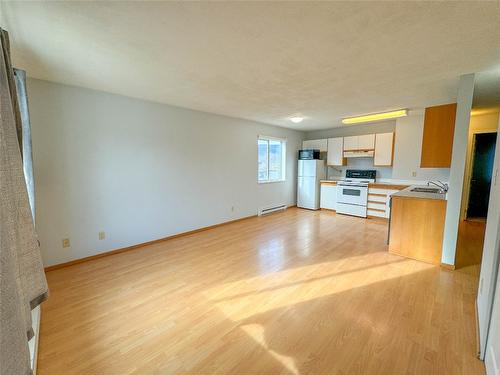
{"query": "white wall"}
(490, 259)
(408, 150)
(457, 170)
(140, 170)
(492, 357)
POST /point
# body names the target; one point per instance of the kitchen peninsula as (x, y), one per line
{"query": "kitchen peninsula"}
(417, 223)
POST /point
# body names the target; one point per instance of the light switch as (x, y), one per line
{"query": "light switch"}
(65, 242)
(102, 235)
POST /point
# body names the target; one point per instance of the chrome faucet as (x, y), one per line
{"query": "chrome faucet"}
(443, 186)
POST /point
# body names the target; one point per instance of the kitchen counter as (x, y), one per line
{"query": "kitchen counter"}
(407, 193)
(379, 185)
(417, 224)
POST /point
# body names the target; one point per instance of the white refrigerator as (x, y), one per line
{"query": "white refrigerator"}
(310, 172)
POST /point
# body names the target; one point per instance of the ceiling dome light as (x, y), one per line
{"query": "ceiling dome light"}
(296, 120)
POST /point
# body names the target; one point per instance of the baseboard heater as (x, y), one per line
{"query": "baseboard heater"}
(268, 210)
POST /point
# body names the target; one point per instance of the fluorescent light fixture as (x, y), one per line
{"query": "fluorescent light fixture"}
(375, 117)
(296, 120)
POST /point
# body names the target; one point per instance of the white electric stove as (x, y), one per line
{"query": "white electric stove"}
(352, 192)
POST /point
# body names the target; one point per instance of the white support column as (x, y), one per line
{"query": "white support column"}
(457, 170)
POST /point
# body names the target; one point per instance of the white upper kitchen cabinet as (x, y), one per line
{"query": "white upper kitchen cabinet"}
(366, 142)
(335, 155)
(383, 149)
(351, 143)
(359, 142)
(315, 144)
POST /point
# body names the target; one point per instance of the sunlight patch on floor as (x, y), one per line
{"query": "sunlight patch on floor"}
(302, 284)
(257, 333)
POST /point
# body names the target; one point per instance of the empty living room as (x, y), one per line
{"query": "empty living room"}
(249, 187)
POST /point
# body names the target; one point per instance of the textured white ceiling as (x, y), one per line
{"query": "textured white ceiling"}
(487, 90)
(263, 61)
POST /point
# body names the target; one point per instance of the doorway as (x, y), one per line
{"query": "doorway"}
(483, 155)
(477, 183)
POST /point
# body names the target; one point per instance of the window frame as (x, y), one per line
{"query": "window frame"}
(283, 159)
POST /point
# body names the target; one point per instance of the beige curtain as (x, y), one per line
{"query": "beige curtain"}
(22, 280)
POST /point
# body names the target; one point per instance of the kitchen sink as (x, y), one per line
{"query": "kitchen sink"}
(427, 190)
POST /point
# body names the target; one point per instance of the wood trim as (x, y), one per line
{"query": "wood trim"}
(327, 209)
(385, 219)
(376, 202)
(376, 209)
(387, 186)
(373, 185)
(377, 195)
(420, 198)
(446, 266)
(360, 149)
(133, 247)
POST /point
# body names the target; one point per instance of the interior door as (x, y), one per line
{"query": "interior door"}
(482, 169)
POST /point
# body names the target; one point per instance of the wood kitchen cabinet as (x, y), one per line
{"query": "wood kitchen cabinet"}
(384, 146)
(315, 144)
(366, 142)
(351, 143)
(437, 141)
(359, 142)
(417, 227)
(335, 156)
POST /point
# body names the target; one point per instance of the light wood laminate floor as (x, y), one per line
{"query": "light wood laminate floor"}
(298, 292)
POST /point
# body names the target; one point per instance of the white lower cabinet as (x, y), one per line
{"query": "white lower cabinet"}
(378, 202)
(328, 196)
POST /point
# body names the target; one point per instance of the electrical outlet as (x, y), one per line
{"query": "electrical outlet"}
(102, 235)
(65, 242)
(414, 174)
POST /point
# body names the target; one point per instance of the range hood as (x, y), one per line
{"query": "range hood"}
(359, 154)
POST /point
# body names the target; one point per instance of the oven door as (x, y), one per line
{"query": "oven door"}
(357, 195)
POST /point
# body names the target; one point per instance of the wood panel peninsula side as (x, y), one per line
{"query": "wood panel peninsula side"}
(417, 225)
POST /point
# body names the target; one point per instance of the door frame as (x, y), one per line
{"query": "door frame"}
(469, 162)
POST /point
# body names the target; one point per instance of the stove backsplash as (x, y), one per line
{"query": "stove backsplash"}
(360, 163)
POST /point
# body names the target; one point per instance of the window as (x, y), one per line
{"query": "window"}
(271, 159)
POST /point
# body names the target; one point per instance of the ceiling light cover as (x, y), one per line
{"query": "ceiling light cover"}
(296, 120)
(375, 117)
